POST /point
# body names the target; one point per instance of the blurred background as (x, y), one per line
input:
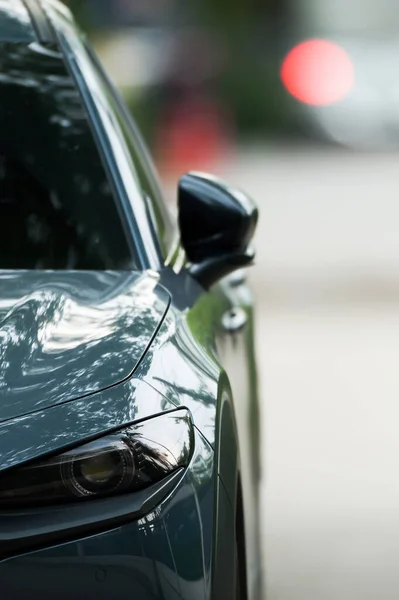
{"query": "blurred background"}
(297, 102)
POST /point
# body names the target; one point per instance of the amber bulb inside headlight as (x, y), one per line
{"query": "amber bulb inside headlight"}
(98, 469)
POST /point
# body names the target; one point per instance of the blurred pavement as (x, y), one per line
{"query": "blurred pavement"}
(327, 284)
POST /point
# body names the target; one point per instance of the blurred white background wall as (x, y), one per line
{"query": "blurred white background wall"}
(327, 283)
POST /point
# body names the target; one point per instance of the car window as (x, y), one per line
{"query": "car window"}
(112, 144)
(145, 170)
(57, 210)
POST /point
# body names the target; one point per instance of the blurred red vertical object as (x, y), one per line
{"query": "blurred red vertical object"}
(193, 134)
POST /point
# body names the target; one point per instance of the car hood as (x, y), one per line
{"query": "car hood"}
(64, 335)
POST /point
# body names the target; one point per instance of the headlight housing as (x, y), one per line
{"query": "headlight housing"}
(125, 461)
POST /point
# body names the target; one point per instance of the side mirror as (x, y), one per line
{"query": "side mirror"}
(216, 227)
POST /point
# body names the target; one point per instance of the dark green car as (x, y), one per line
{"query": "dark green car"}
(128, 398)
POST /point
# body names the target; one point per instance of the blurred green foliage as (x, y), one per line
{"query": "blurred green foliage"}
(79, 11)
(249, 86)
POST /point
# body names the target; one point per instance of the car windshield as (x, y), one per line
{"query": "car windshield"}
(57, 210)
(358, 16)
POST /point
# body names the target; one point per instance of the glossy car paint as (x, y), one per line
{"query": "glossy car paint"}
(230, 222)
(165, 554)
(187, 349)
(217, 224)
(15, 24)
(64, 335)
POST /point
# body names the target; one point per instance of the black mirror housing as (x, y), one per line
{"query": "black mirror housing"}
(217, 224)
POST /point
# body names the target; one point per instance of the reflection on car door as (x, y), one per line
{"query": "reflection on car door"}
(238, 359)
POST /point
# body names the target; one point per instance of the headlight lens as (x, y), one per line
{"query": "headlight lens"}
(125, 461)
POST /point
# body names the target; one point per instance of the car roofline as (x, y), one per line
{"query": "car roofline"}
(41, 24)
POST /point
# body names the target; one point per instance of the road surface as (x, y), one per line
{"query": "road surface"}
(327, 283)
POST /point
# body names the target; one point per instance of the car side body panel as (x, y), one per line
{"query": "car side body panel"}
(165, 555)
(182, 363)
(198, 362)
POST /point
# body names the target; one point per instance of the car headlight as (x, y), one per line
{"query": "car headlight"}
(125, 461)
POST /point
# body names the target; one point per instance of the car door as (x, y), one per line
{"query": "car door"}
(236, 350)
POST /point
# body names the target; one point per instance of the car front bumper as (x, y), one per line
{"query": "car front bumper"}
(165, 554)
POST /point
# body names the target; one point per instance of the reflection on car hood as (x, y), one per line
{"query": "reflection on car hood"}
(67, 334)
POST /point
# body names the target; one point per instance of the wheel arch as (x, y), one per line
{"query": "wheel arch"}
(229, 538)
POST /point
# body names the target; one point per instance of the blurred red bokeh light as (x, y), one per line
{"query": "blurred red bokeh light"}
(318, 72)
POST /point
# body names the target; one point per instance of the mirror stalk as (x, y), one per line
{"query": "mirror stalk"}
(211, 270)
